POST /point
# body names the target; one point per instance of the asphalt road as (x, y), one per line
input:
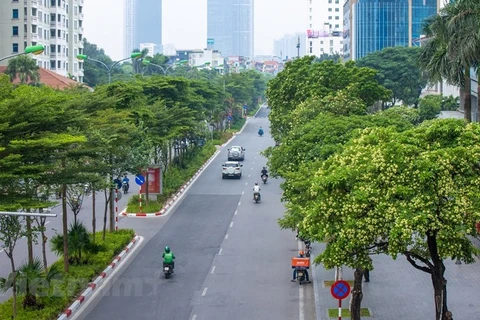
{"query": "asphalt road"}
(233, 261)
(54, 226)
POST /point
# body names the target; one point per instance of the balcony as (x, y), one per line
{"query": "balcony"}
(33, 36)
(32, 2)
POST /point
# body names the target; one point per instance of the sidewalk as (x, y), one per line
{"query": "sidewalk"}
(399, 291)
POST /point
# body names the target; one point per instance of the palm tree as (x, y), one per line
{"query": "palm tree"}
(440, 60)
(25, 68)
(34, 280)
(464, 24)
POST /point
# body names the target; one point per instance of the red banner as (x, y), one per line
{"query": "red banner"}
(154, 181)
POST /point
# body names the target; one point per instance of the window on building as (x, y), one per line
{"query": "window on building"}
(311, 49)
(337, 26)
(321, 49)
(329, 17)
(337, 9)
(329, 9)
(52, 64)
(310, 17)
(34, 28)
(337, 1)
(310, 10)
(321, 42)
(311, 43)
(52, 48)
(15, 31)
(14, 47)
(59, 64)
(15, 14)
(329, 1)
(337, 17)
(331, 43)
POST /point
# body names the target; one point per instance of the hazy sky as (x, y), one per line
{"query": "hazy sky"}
(185, 23)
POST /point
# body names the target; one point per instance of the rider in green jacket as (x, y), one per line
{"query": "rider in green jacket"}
(168, 257)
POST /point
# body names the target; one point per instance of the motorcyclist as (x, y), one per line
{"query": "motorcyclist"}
(256, 189)
(126, 181)
(168, 258)
(264, 172)
(301, 254)
(260, 131)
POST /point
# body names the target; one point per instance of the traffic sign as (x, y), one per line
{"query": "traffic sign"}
(139, 179)
(229, 118)
(117, 183)
(340, 289)
(245, 107)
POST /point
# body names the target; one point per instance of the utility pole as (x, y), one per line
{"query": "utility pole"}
(298, 47)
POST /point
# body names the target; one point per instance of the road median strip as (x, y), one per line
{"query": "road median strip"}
(183, 189)
(85, 295)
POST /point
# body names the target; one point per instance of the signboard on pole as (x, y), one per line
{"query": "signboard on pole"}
(154, 181)
(139, 179)
(340, 289)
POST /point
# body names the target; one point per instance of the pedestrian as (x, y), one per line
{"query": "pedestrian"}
(366, 271)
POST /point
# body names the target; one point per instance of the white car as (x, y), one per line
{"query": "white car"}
(236, 153)
(231, 169)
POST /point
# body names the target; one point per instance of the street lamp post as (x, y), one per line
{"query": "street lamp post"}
(36, 50)
(148, 63)
(135, 55)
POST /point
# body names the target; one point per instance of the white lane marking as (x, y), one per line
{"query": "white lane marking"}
(249, 175)
(251, 169)
(194, 317)
(47, 222)
(240, 202)
(231, 224)
(301, 303)
(236, 211)
(243, 192)
(213, 269)
(2, 250)
(204, 292)
(226, 236)
(246, 183)
(253, 163)
(255, 157)
(220, 252)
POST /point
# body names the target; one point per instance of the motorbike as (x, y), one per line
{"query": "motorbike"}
(264, 178)
(301, 277)
(86, 189)
(125, 187)
(167, 270)
(256, 197)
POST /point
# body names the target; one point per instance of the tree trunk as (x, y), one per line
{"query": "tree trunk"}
(29, 239)
(44, 239)
(65, 226)
(94, 220)
(14, 280)
(438, 280)
(467, 99)
(112, 211)
(357, 294)
(105, 214)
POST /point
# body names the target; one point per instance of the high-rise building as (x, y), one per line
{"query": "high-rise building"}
(286, 47)
(324, 27)
(55, 24)
(371, 25)
(143, 24)
(230, 27)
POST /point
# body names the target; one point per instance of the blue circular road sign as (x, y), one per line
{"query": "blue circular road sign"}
(340, 289)
(139, 179)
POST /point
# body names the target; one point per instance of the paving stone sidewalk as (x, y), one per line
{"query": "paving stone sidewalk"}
(399, 291)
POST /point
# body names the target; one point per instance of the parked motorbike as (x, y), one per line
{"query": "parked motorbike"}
(264, 178)
(125, 187)
(167, 270)
(256, 197)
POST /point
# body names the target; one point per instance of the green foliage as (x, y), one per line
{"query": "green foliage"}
(429, 107)
(450, 103)
(302, 79)
(68, 286)
(398, 71)
(24, 68)
(79, 243)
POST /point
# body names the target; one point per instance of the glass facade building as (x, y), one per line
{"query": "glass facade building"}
(148, 22)
(377, 24)
(230, 27)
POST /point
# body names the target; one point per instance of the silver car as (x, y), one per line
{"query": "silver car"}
(236, 153)
(231, 169)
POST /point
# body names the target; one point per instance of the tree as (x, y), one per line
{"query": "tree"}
(411, 193)
(438, 60)
(11, 229)
(24, 68)
(429, 107)
(398, 71)
(303, 79)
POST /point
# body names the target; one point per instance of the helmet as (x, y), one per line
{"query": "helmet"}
(301, 253)
(256, 183)
(265, 168)
(167, 249)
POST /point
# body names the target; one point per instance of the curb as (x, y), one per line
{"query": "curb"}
(87, 293)
(185, 186)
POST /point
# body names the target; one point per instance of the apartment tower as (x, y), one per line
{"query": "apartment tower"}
(324, 27)
(143, 24)
(55, 24)
(230, 27)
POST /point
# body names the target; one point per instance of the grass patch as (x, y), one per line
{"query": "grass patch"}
(333, 313)
(329, 283)
(67, 287)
